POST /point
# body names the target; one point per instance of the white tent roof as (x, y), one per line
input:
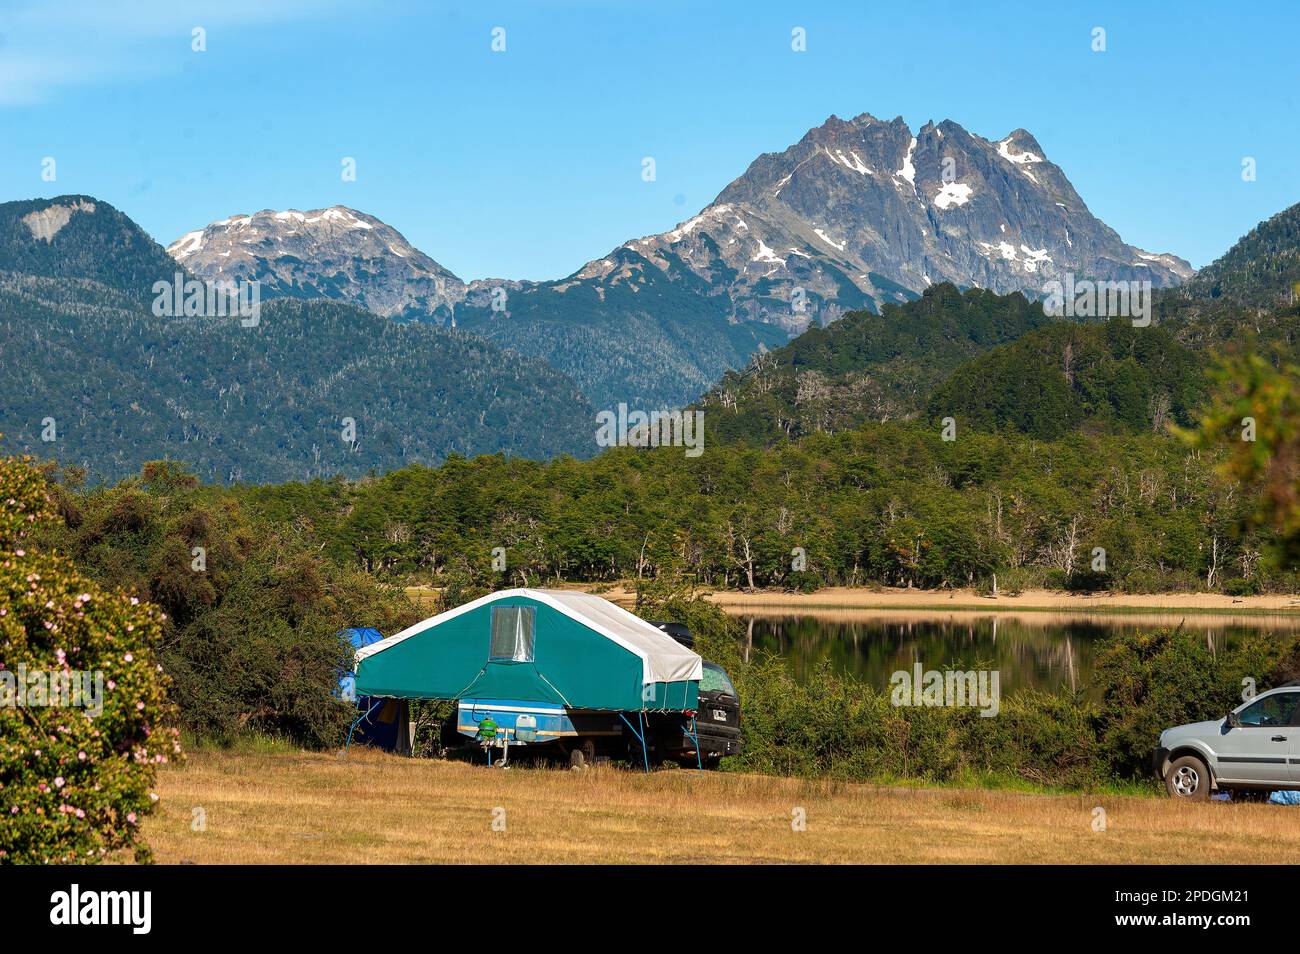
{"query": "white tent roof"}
(663, 659)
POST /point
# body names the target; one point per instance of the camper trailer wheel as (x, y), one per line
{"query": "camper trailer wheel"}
(582, 755)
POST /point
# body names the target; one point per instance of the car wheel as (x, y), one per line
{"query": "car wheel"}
(1188, 779)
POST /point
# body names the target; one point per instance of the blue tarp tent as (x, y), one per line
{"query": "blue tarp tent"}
(358, 636)
(382, 726)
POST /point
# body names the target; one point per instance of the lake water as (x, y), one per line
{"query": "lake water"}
(1043, 650)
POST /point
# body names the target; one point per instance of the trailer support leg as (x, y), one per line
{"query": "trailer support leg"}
(356, 722)
(640, 736)
(694, 735)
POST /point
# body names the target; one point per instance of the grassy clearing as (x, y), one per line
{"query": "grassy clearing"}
(293, 807)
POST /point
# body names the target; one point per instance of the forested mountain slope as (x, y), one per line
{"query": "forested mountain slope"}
(1109, 377)
(864, 367)
(89, 374)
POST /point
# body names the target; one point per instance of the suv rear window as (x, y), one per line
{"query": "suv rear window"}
(714, 679)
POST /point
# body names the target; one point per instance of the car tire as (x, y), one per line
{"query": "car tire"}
(1188, 779)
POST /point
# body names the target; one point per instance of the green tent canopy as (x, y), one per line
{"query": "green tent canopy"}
(547, 646)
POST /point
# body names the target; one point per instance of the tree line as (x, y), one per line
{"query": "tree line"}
(891, 504)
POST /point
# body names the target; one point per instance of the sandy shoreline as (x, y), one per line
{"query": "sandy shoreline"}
(968, 601)
(858, 600)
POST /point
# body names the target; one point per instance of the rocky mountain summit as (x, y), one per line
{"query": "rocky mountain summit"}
(336, 253)
(864, 208)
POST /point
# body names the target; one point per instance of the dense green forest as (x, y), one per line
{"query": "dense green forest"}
(864, 367)
(264, 403)
(891, 504)
(91, 376)
(318, 389)
(1110, 377)
(1062, 447)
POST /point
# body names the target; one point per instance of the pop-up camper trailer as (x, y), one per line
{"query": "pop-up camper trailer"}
(541, 667)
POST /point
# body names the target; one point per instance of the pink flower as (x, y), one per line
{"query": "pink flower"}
(81, 756)
(128, 658)
(130, 817)
(58, 782)
(139, 706)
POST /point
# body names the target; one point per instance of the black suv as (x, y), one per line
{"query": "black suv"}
(717, 721)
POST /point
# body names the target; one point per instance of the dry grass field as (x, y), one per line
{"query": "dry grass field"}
(317, 808)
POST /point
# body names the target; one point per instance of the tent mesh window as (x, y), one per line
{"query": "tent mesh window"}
(512, 633)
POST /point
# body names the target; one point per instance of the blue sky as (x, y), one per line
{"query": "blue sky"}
(527, 163)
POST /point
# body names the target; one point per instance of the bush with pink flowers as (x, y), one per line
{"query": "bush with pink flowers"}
(77, 769)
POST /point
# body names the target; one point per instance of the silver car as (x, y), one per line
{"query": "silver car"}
(1256, 746)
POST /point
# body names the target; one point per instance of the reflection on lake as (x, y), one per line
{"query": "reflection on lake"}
(1042, 650)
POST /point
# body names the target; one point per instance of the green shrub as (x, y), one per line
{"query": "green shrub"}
(1150, 681)
(253, 610)
(1239, 586)
(75, 778)
(1088, 581)
(266, 657)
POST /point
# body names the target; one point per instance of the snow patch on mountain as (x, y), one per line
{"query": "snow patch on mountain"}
(953, 193)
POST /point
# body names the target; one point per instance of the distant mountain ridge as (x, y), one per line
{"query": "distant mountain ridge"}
(78, 236)
(859, 213)
(1262, 268)
(89, 375)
